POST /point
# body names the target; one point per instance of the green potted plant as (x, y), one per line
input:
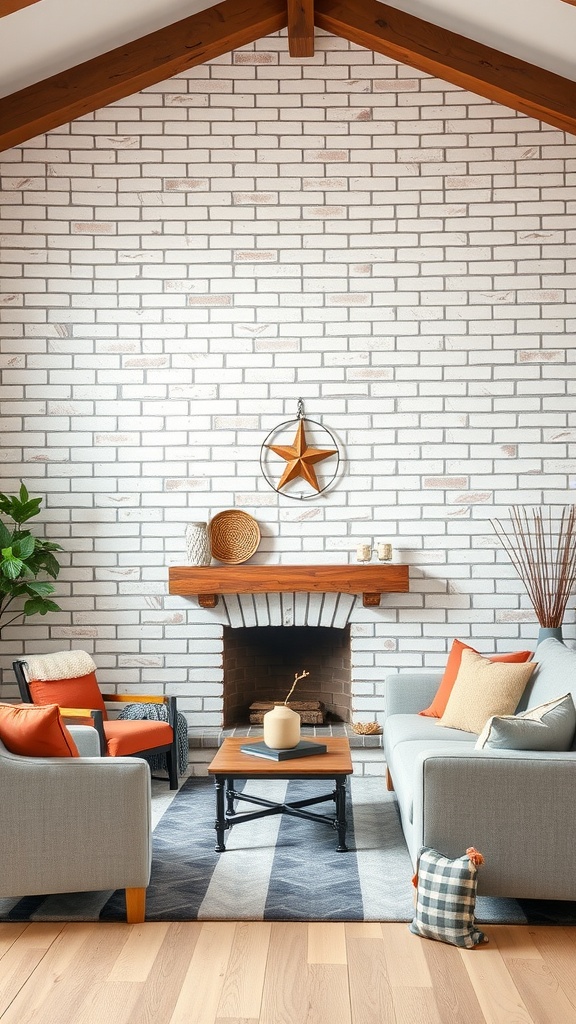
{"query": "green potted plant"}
(23, 559)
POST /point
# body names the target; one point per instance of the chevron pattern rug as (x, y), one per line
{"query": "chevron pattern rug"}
(278, 868)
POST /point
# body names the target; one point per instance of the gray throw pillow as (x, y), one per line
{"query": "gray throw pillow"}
(550, 726)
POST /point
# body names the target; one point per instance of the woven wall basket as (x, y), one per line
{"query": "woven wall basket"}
(234, 536)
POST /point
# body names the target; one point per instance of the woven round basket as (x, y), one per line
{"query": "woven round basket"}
(234, 536)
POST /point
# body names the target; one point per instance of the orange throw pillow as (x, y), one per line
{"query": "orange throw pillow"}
(33, 731)
(438, 705)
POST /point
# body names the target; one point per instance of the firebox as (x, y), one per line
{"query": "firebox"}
(260, 664)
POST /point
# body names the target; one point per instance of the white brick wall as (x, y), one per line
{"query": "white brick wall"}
(180, 267)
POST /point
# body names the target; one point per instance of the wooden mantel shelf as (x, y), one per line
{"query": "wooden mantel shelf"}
(209, 581)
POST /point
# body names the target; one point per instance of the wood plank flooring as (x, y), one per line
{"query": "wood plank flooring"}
(282, 973)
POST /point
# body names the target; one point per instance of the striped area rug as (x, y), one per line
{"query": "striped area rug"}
(278, 868)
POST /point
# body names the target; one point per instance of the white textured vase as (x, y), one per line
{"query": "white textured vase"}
(281, 727)
(198, 544)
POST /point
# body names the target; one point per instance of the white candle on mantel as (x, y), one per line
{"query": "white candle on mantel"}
(364, 552)
(384, 550)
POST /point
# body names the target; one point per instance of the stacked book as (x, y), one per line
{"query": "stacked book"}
(302, 749)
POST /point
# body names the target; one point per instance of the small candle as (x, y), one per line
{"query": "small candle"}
(384, 552)
(363, 552)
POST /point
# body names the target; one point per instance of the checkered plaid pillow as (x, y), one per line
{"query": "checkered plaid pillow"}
(446, 897)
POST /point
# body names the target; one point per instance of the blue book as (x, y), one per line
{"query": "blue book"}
(302, 749)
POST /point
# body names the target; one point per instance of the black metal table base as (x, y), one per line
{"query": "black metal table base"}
(227, 816)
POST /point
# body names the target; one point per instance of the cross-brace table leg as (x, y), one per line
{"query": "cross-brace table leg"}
(227, 795)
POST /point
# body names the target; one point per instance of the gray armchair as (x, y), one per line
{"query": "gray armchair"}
(75, 824)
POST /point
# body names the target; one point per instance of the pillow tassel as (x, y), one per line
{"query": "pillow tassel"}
(415, 880)
(475, 857)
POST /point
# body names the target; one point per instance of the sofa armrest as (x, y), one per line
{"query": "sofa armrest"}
(517, 807)
(73, 824)
(408, 693)
(86, 739)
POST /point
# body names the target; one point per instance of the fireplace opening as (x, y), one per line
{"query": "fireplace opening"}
(260, 663)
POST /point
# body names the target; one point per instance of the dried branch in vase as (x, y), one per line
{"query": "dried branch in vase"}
(297, 679)
(541, 544)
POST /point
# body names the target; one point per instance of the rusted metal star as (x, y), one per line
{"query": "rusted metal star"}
(300, 458)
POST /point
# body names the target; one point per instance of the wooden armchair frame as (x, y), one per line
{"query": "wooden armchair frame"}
(94, 717)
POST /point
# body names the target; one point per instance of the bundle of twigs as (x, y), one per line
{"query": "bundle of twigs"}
(541, 544)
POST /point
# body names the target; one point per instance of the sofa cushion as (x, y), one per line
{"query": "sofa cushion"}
(484, 688)
(555, 674)
(438, 705)
(550, 726)
(32, 731)
(412, 728)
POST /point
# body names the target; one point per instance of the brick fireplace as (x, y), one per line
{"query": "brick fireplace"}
(268, 622)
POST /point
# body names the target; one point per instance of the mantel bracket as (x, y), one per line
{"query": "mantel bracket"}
(370, 600)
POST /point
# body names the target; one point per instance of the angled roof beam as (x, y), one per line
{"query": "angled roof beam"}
(453, 58)
(10, 6)
(301, 28)
(130, 68)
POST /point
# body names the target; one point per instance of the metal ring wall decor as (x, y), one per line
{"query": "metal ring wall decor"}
(300, 457)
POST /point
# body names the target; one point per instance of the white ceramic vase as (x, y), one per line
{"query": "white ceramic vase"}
(281, 727)
(198, 544)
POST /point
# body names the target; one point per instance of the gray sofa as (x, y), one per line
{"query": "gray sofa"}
(517, 807)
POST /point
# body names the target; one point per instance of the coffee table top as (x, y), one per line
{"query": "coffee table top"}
(230, 760)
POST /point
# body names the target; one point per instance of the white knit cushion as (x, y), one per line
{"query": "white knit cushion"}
(484, 688)
(60, 665)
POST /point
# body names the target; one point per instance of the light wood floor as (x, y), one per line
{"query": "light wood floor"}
(260, 973)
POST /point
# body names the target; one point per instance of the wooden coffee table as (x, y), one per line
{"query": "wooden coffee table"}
(230, 764)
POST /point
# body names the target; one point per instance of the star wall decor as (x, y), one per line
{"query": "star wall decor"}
(301, 456)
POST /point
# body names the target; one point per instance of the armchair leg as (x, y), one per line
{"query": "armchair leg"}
(389, 782)
(172, 767)
(135, 905)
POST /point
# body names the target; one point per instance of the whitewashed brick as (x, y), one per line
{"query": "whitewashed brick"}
(173, 280)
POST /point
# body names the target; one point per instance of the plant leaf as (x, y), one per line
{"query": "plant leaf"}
(39, 606)
(40, 588)
(48, 563)
(24, 546)
(6, 537)
(26, 510)
(10, 566)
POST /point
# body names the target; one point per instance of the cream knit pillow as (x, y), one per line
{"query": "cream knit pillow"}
(484, 688)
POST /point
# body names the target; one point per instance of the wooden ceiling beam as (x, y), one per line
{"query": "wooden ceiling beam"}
(301, 28)
(11, 6)
(453, 58)
(235, 23)
(130, 68)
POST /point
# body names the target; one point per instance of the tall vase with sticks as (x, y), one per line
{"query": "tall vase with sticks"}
(282, 724)
(541, 544)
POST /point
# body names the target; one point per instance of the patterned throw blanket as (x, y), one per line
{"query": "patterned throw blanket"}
(159, 713)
